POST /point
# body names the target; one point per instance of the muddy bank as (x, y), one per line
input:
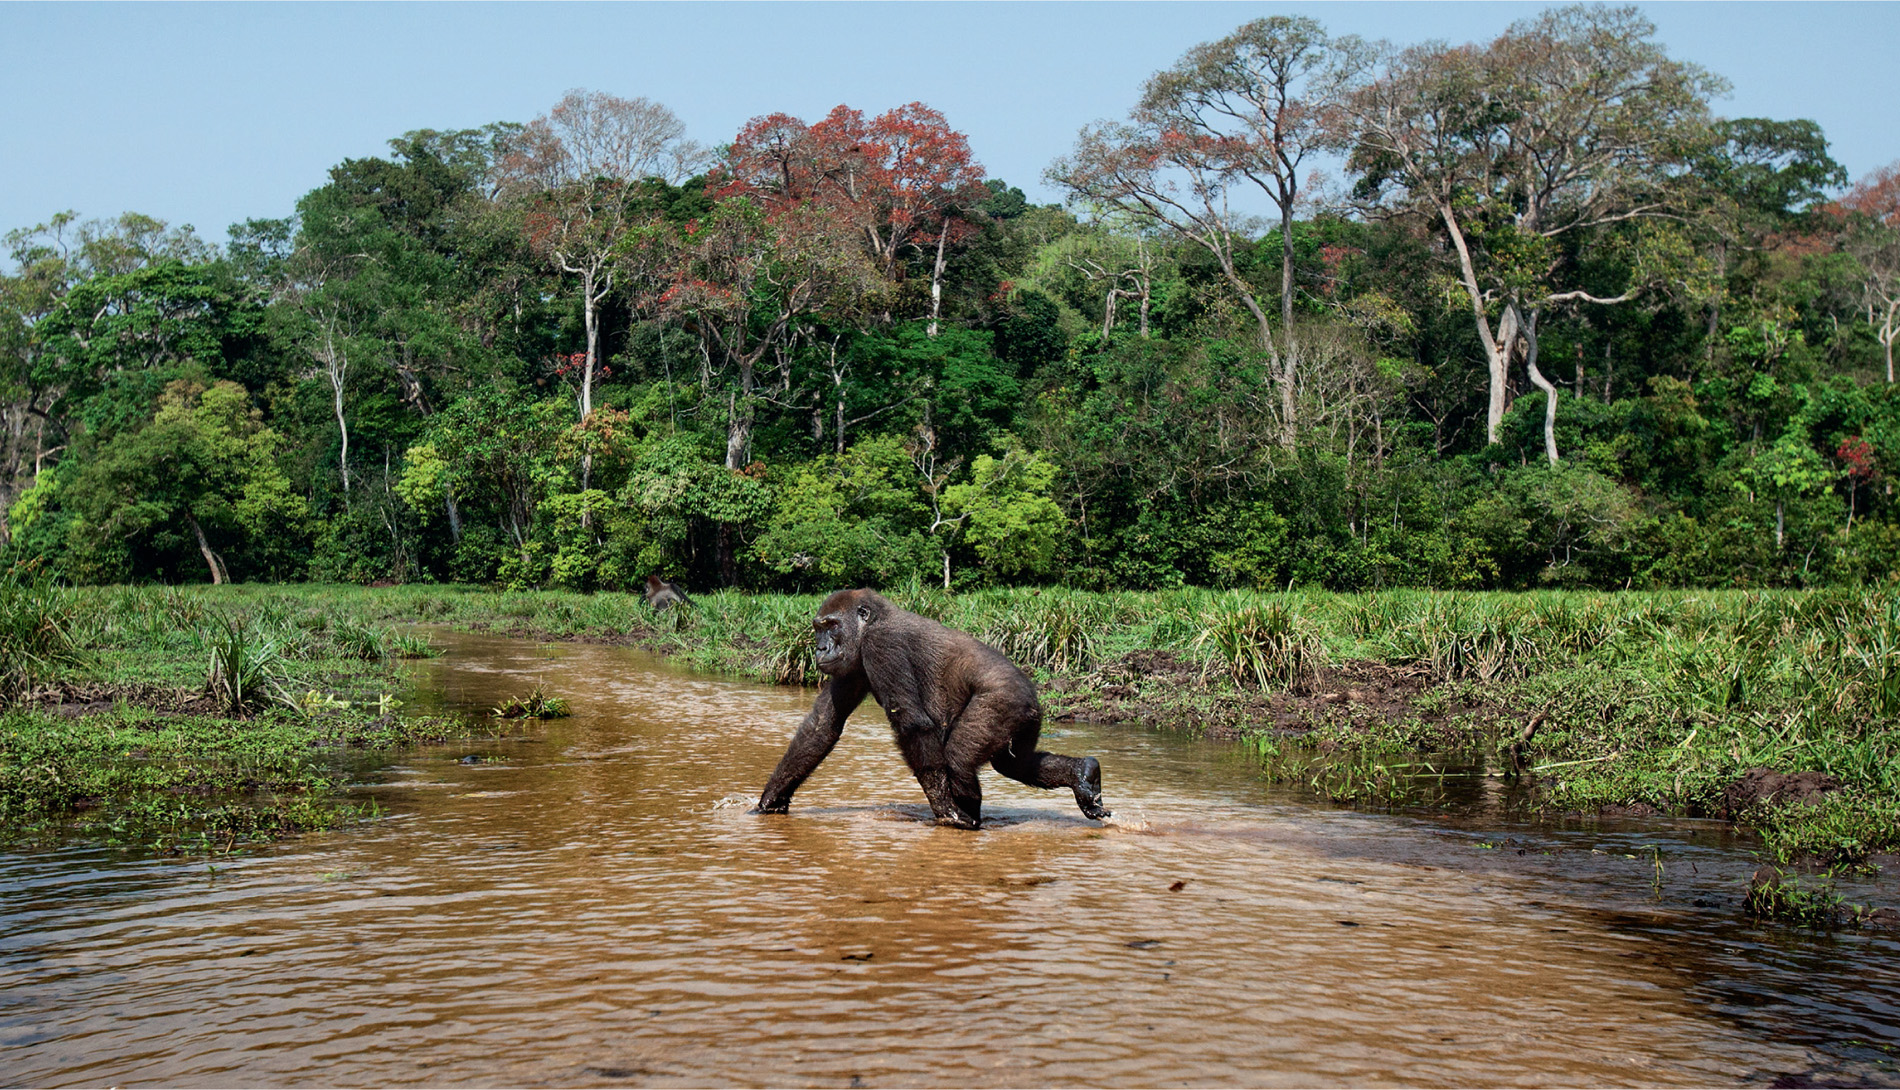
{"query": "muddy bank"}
(1166, 689)
(77, 699)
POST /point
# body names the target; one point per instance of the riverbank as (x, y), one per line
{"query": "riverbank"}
(178, 722)
(1777, 712)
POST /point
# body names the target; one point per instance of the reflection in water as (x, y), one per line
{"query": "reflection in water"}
(599, 908)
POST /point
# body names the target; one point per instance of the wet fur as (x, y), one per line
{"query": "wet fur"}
(953, 703)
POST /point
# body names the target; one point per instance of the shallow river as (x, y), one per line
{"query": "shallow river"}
(596, 907)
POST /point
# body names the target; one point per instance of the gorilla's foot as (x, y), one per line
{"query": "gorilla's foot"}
(1088, 790)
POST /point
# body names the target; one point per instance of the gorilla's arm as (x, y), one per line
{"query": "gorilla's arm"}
(816, 736)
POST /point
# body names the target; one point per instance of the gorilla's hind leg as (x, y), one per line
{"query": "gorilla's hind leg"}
(1023, 762)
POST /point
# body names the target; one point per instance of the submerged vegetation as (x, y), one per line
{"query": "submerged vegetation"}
(536, 704)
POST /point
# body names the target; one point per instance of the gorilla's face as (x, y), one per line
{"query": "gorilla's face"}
(837, 643)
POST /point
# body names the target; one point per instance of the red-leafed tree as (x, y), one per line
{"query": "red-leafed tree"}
(750, 286)
(899, 181)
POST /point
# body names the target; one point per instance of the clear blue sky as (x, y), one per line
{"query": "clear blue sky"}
(212, 113)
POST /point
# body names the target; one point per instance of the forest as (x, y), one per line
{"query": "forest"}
(1315, 312)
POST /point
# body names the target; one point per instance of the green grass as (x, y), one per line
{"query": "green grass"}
(134, 778)
(226, 715)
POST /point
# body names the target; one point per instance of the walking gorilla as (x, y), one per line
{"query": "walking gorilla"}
(953, 704)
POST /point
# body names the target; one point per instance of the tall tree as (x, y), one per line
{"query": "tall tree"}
(1245, 110)
(1567, 123)
(902, 180)
(1760, 180)
(572, 168)
(1874, 241)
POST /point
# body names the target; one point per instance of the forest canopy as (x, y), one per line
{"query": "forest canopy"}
(1549, 321)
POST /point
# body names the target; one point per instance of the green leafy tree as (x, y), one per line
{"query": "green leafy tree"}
(1569, 122)
(1014, 522)
(852, 519)
(1789, 469)
(205, 463)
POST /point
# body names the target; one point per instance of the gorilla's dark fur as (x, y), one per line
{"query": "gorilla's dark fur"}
(953, 703)
(661, 593)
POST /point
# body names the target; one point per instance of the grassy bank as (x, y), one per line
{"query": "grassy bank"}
(1779, 712)
(173, 721)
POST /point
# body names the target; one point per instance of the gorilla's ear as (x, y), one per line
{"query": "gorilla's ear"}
(864, 613)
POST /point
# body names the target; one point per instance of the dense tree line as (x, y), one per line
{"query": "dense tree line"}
(1556, 323)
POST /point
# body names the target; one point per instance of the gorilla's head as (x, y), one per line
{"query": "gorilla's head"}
(840, 626)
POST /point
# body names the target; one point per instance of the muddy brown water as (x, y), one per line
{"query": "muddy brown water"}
(595, 907)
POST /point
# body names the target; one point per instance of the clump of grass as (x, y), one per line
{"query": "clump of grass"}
(1265, 646)
(355, 640)
(1458, 638)
(409, 645)
(244, 669)
(536, 704)
(788, 658)
(1842, 827)
(1784, 898)
(36, 633)
(1049, 630)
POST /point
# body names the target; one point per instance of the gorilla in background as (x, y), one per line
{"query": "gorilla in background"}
(953, 703)
(661, 594)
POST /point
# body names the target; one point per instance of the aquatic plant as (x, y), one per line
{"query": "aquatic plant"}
(355, 640)
(1777, 895)
(410, 645)
(243, 668)
(536, 704)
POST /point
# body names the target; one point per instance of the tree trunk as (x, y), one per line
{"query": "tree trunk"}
(936, 278)
(739, 417)
(1144, 282)
(1538, 380)
(337, 366)
(1286, 262)
(1780, 524)
(218, 575)
(455, 516)
(1264, 327)
(837, 394)
(728, 567)
(590, 318)
(1888, 332)
(1289, 402)
(1497, 348)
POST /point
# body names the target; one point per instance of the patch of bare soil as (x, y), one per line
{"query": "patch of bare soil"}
(76, 699)
(1762, 787)
(1163, 687)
